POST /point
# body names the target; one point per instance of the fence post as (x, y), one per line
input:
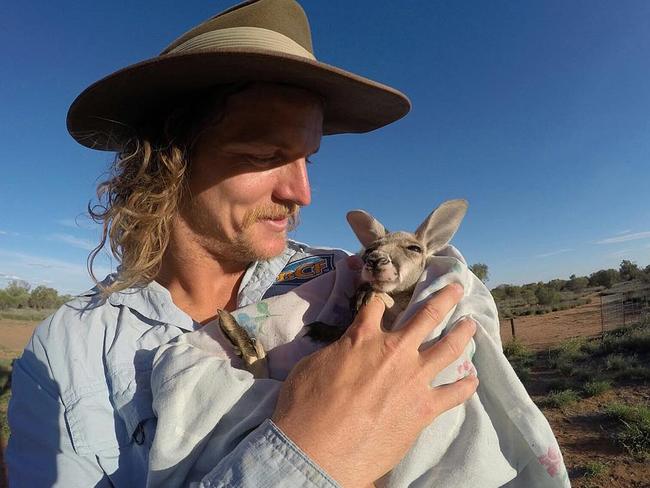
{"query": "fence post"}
(602, 320)
(512, 326)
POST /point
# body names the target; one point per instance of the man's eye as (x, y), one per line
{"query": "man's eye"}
(263, 160)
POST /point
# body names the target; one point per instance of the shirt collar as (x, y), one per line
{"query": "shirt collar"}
(154, 301)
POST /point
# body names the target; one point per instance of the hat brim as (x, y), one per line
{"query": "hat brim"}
(103, 116)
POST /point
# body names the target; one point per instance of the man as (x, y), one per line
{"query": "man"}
(213, 138)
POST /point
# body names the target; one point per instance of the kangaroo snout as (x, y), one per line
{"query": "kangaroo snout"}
(376, 259)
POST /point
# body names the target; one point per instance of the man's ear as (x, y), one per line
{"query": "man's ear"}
(441, 225)
(367, 228)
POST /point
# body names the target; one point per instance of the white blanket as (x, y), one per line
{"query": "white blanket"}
(205, 404)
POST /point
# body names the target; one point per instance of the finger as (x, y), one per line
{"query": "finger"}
(448, 396)
(431, 313)
(369, 316)
(450, 347)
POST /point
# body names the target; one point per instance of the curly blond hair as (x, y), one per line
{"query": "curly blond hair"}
(146, 185)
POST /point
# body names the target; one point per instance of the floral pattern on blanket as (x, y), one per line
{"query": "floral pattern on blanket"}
(253, 325)
(554, 464)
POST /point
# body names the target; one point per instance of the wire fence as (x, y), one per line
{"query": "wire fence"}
(624, 309)
(599, 315)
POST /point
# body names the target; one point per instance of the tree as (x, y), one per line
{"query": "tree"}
(577, 283)
(528, 296)
(5, 300)
(17, 293)
(604, 277)
(547, 295)
(629, 270)
(43, 297)
(481, 271)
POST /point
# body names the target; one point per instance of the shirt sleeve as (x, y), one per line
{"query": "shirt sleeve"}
(267, 458)
(40, 452)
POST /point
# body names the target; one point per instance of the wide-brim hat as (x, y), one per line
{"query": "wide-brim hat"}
(263, 40)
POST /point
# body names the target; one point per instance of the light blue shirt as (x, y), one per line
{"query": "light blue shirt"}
(81, 406)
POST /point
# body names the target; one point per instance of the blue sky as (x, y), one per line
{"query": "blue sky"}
(536, 112)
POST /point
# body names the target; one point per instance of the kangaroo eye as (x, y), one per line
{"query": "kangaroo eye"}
(414, 248)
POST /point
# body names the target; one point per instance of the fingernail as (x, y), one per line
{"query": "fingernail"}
(471, 323)
(458, 288)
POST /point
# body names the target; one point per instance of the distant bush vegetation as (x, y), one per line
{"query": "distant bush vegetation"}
(543, 297)
(18, 295)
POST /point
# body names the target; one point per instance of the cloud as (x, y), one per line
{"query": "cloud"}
(620, 253)
(40, 265)
(553, 253)
(625, 238)
(9, 277)
(74, 241)
(620, 233)
(69, 277)
(8, 233)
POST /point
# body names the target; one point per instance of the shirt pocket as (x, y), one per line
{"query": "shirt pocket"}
(132, 399)
(94, 427)
(100, 426)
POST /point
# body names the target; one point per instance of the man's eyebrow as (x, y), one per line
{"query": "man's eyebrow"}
(260, 144)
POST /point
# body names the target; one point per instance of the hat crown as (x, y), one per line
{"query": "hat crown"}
(283, 16)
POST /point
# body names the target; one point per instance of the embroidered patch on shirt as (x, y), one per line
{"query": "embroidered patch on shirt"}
(305, 269)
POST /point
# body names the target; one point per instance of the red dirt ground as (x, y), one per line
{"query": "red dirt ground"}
(14, 335)
(542, 331)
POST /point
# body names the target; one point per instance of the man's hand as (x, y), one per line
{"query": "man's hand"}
(356, 406)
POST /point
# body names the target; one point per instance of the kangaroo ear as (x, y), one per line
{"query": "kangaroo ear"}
(441, 225)
(367, 228)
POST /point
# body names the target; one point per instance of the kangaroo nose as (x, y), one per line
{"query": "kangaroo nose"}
(374, 260)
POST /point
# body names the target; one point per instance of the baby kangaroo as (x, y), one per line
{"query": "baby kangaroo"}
(393, 263)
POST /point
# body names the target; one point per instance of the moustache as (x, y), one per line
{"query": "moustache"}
(272, 212)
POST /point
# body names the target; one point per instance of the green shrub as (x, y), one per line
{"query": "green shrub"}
(516, 349)
(520, 358)
(595, 387)
(634, 339)
(561, 398)
(634, 433)
(547, 295)
(567, 354)
(558, 384)
(633, 372)
(617, 362)
(594, 469)
(592, 347)
(565, 366)
(25, 314)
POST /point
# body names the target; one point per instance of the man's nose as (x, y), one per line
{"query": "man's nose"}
(293, 183)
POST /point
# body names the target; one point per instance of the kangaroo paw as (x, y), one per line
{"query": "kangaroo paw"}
(250, 349)
(321, 332)
(361, 297)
